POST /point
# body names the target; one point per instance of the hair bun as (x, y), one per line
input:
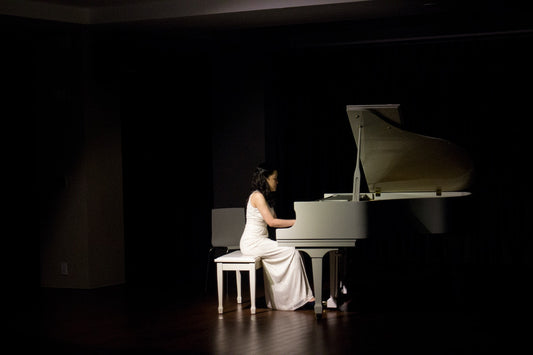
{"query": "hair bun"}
(265, 168)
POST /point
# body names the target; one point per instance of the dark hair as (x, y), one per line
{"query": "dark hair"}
(259, 181)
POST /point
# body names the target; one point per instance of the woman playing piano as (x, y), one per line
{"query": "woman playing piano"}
(286, 284)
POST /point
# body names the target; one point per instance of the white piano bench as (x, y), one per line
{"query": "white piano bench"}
(236, 261)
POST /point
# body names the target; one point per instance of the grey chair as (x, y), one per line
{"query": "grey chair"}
(227, 225)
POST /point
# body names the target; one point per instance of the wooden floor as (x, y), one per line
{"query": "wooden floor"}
(125, 320)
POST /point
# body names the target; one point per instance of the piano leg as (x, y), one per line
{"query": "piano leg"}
(317, 281)
(333, 280)
(316, 255)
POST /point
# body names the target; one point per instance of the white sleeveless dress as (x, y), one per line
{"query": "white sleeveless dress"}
(286, 284)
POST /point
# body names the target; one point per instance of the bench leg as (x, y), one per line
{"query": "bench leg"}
(238, 277)
(252, 288)
(220, 280)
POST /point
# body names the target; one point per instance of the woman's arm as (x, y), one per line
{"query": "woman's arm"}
(258, 201)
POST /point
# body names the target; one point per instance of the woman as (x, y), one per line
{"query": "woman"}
(286, 284)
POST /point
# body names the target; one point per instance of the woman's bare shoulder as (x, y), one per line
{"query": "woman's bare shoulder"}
(257, 197)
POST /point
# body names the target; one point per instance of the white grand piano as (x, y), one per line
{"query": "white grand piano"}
(404, 171)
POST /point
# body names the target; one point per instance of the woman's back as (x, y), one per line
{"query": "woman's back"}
(256, 227)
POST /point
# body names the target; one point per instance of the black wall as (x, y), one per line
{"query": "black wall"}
(167, 168)
(462, 81)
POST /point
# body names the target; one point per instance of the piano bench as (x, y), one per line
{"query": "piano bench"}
(236, 261)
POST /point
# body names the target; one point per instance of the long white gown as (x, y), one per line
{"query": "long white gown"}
(286, 284)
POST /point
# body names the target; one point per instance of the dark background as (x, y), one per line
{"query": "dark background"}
(462, 77)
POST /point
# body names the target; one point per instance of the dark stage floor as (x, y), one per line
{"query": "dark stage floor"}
(128, 320)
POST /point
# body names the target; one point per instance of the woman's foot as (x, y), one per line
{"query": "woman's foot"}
(309, 305)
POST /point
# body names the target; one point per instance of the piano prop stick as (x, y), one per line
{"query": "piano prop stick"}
(403, 170)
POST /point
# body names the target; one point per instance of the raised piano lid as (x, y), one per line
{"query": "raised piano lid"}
(394, 160)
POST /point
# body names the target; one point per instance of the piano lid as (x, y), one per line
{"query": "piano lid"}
(394, 160)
